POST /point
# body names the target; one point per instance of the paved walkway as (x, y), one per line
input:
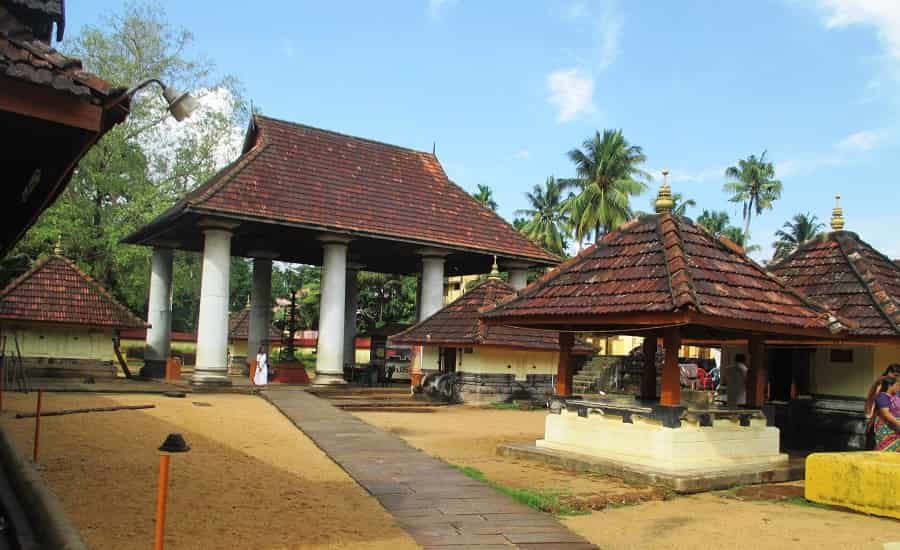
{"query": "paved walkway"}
(441, 508)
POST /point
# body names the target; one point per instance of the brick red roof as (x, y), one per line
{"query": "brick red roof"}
(298, 175)
(55, 290)
(845, 273)
(459, 324)
(663, 269)
(239, 326)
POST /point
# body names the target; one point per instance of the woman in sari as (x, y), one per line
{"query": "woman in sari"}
(887, 426)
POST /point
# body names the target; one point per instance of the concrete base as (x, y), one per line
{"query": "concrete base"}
(207, 381)
(680, 482)
(153, 368)
(328, 379)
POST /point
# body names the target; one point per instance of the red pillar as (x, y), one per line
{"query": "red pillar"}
(757, 376)
(564, 367)
(671, 377)
(648, 375)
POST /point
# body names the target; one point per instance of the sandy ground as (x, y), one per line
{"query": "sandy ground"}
(251, 480)
(468, 436)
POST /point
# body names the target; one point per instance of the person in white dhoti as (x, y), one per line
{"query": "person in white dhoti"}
(261, 376)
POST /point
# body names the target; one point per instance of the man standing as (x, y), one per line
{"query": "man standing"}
(736, 381)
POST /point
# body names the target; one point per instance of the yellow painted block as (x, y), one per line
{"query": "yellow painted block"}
(867, 482)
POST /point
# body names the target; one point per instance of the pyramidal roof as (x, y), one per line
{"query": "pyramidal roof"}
(660, 270)
(239, 326)
(848, 275)
(459, 324)
(55, 290)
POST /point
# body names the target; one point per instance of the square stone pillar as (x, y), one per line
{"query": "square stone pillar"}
(648, 375)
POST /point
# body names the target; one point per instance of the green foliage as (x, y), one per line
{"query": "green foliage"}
(718, 223)
(306, 279)
(608, 175)
(542, 501)
(384, 299)
(754, 186)
(485, 196)
(801, 228)
(546, 220)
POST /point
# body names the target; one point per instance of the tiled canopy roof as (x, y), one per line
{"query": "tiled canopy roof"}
(55, 290)
(661, 270)
(300, 176)
(846, 274)
(239, 326)
(459, 324)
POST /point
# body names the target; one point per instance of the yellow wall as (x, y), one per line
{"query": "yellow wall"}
(71, 342)
(884, 356)
(451, 292)
(492, 360)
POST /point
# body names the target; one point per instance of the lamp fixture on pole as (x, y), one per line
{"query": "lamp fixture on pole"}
(181, 104)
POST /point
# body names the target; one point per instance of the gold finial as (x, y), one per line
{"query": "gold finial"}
(57, 248)
(495, 270)
(837, 215)
(664, 202)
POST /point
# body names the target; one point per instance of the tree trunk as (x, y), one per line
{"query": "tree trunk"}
(747, 224)
(597, 234)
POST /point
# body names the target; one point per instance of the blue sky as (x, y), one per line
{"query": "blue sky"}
(506, 88)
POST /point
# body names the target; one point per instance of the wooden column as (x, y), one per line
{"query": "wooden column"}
(648, 375)
(757, 376)
(671, 377)
(564, 367)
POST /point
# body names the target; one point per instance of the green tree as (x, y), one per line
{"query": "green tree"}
(801, 228)
(754, 186)
(546, 218)
(608, 175)
(716, 221)
(485, 196)
(145, 164)
(385, 299)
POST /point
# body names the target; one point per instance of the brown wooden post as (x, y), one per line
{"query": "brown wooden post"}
(648, 375)
(671, 377)
(564, 367)
(757, 377)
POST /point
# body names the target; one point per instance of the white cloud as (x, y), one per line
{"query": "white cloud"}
(435, 7)
(571, 92)
(288, 48)
(843, 152)
(522, 154)
(883, 15)
(860, 142)
(576, 10)
(609, 33)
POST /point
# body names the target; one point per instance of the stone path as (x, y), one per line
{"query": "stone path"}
(442, 508)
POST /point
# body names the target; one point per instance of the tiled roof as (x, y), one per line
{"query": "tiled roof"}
(459, 324)
(55, 290)
(239, 326)
(845, 273)
(661, 265)
(298, 175)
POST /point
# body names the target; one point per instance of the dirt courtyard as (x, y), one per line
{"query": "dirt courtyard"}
(468, 436)
(251, 479)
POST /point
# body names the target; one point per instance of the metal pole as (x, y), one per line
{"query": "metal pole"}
(162, 493)
(37, 425)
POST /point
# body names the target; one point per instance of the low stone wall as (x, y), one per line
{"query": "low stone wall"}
(60, 367)
(490, 388)
(865, 482)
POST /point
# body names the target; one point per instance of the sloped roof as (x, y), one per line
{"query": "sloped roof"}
(661, 270)
(239, 326)
(848, 275)
(459, 324)
(55, 290)
(299, 176)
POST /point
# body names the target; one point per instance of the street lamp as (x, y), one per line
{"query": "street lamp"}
(181, 104)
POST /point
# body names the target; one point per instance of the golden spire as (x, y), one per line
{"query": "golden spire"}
(837, 215)
(57, 248)
(664, 202)
(495, 270)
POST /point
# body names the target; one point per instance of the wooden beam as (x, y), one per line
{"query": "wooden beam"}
(671, 377)
(757, 376)
(564, 366)
(648, 375)
(50, 104)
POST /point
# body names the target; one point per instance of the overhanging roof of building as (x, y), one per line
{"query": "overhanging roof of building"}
(293, 183)
(459, 324)
(55, 290)
(662, 270)
(848, 275)
(239, 326)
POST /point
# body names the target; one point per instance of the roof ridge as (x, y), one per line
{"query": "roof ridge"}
(862, 270)
(680, 281)
(342, 134)
(101, 289)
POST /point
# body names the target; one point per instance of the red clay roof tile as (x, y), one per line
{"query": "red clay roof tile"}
(239, 326)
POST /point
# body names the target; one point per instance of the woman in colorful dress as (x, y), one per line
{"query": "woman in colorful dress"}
(887, 426)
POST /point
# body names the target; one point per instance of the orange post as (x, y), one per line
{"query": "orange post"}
(161, 495)
(37, 426)
(671, 377)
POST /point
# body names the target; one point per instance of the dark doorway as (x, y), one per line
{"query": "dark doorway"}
(788, 372)
(448, 360)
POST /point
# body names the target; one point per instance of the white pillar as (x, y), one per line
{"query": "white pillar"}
(159, 314)
(350, 302)
(432, 283)
(518, 274)
(212, 327)
(260, 305)
(332, 313)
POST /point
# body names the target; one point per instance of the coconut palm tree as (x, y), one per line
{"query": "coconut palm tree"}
(485, 196)
(754, 186)
(546, 218)
(715, 221)
(738, 237)
(608, 175)
(801, 228)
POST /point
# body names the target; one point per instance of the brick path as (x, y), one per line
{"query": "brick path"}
(441, 508)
